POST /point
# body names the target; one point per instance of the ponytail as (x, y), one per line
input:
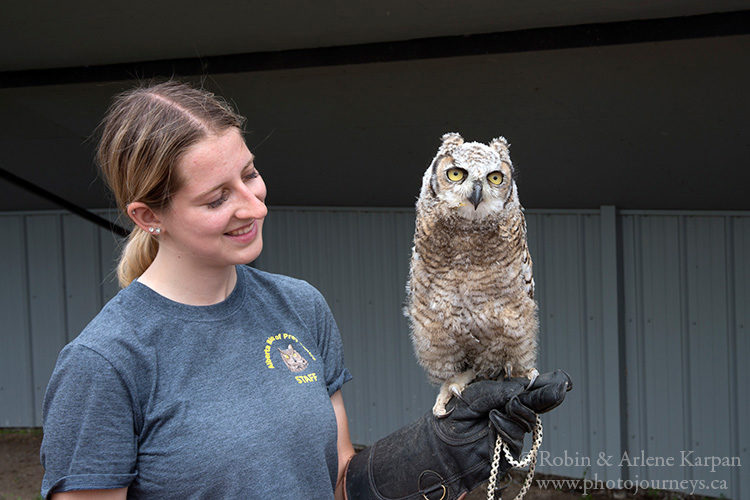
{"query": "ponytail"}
(139, 252)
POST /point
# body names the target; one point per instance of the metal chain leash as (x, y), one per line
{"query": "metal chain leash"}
(528, 461)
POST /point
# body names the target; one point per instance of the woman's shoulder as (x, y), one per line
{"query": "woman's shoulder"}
(112, 332)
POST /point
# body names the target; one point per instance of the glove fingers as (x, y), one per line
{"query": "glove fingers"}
(484, 395)
(521, 414)
(547, 392)
(509, 431)
(556, 377)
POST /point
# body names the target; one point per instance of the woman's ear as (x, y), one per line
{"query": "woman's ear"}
(144, 217)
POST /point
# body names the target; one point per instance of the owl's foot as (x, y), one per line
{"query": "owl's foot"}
(442, 399)
(454, 386)
(532, 375)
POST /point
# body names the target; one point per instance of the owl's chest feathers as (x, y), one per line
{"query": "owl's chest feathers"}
(474, 274)
(476, 252)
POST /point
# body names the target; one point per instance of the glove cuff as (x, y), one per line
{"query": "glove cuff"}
(360, 483)
(414, 463)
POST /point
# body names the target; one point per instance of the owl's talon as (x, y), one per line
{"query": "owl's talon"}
(533, 374)
(442, 413)
(439, 409)
(440, 403)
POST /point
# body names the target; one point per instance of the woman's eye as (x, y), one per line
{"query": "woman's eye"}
(495, 178)
(251, 175)
(456, 174)
(217, 202)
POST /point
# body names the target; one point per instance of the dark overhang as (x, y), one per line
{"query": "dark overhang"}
(555, 38)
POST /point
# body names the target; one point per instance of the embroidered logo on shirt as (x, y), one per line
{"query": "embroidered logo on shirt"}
(292, 359)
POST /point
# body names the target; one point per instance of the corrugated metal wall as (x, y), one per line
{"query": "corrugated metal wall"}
(568, 275)
(646, 311)
(56, 272)
(687, 307)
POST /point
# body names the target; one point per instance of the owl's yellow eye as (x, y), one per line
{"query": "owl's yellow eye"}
(495, 178)
(456, 174)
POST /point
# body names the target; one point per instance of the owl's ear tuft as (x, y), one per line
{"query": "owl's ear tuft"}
(500, 144)
(452, 140)
(502, 147)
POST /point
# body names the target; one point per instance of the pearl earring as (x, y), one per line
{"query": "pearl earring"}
(154, 230)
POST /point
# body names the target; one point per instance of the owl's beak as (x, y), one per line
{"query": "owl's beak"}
(476, 194)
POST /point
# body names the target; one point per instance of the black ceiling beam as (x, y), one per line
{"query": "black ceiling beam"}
(62, 202)
(563, 37)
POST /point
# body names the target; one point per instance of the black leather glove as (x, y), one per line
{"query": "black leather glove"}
(447, 457)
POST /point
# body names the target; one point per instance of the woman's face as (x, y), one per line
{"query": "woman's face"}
(216, 217)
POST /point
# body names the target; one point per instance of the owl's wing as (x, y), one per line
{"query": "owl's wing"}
(526, 264)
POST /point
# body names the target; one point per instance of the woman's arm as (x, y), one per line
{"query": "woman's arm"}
(344, 444)
(117, 494)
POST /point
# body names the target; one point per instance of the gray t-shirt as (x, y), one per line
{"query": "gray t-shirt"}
(230, 400)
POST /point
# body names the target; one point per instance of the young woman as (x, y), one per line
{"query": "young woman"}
(205, 378)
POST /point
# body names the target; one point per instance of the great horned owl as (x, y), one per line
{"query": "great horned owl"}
(470, 296)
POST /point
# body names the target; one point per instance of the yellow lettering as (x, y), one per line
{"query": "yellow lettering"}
(308, 351)
(306, 379)
(269, 340)
(278, 337)
(267, 353)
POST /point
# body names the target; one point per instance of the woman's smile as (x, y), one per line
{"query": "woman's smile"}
(244, 234)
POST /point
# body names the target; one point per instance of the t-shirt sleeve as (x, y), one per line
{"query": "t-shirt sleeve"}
(329, 343)
(89, 438)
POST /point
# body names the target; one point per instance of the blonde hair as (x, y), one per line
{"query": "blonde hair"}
(144, 134)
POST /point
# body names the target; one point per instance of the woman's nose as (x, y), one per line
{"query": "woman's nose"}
(253, 204)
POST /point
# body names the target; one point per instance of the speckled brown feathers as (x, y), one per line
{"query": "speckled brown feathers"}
(471, 291)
